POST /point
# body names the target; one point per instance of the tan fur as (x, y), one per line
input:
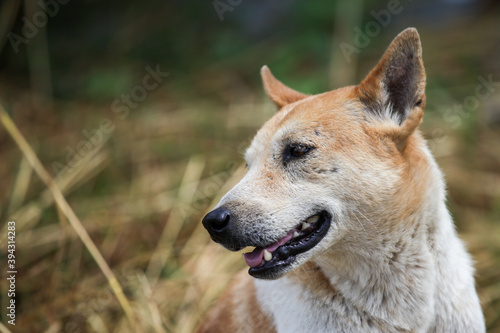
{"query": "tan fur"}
(391, 261)
(280, 94)
(237, 310)
(312, 277)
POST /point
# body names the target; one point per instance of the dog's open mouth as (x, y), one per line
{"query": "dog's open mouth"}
(264, 260)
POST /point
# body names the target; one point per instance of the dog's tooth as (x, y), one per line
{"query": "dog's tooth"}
(313, 219)
(296, 234)
(305, 225)
(267, 255)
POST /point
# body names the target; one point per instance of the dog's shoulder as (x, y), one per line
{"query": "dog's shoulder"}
(238, 310)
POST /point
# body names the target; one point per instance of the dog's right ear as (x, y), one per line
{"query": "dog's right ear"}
(280, 94)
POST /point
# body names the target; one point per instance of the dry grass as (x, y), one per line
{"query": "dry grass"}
(145, 226)
(140, 198)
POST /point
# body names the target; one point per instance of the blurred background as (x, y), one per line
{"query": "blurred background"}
(140, 111)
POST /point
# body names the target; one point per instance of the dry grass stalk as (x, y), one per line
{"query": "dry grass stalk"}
(4, 329)
(29, 214)
(175, 221)
(20, 186)
(68, 212)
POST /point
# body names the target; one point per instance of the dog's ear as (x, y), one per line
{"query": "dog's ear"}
(395, 89)
(280, 94)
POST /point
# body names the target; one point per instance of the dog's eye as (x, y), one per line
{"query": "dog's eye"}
(296, 150)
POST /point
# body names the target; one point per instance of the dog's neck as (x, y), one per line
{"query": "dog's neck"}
(390, 275)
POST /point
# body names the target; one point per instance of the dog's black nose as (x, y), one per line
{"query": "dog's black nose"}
(217, 220)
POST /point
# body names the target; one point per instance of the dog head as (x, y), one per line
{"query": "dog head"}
(323, 161)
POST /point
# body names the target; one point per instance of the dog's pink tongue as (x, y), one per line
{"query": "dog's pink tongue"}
(254, 258)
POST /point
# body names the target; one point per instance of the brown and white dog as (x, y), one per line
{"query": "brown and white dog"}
(345, 207)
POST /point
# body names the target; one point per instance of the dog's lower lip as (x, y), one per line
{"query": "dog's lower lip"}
(285, 255)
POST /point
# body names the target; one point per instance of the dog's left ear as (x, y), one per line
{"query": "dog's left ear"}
(280, 94)
(394, 90)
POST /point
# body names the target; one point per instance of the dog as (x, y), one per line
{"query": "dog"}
(345, 207)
